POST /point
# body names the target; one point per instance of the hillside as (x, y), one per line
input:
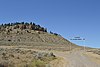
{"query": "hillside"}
(30, 34)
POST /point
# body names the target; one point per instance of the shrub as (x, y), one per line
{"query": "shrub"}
(56, 34)
(37, 63)
(1, 65)
(40, 63)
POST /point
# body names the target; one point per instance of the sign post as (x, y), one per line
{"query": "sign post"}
(78, 39)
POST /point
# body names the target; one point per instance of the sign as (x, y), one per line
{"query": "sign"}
(77, 38)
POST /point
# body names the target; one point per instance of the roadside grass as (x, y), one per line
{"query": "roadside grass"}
(42, 62)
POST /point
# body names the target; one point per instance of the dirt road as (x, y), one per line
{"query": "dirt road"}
(78, 59)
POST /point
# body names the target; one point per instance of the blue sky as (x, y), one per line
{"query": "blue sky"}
(70, 18)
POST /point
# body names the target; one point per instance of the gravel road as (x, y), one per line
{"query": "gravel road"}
(78, 59)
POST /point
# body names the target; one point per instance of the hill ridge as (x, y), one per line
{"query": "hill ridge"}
(21, 33)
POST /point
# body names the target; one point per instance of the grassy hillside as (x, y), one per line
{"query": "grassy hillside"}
(35, 36)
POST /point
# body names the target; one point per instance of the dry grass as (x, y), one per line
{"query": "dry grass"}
(24, 58)
(60, 62)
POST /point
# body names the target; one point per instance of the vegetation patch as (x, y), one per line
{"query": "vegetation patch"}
(24, 58)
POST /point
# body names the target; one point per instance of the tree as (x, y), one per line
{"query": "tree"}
(12, 24)
(2, 25)
(34, 24)
(41, 29)
(38, 26)
(51, 32)
(45, 30)
(5, 25)
(26, 23)
(56, 34)
(22, 22)
(8, 24)
(30, 23)
(18, 23)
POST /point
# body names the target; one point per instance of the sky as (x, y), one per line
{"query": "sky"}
(69, 18)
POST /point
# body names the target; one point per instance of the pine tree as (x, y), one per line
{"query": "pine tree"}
(30, 23)
(22, 22)
(51, 32)
(34, 24)
(2, 25)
